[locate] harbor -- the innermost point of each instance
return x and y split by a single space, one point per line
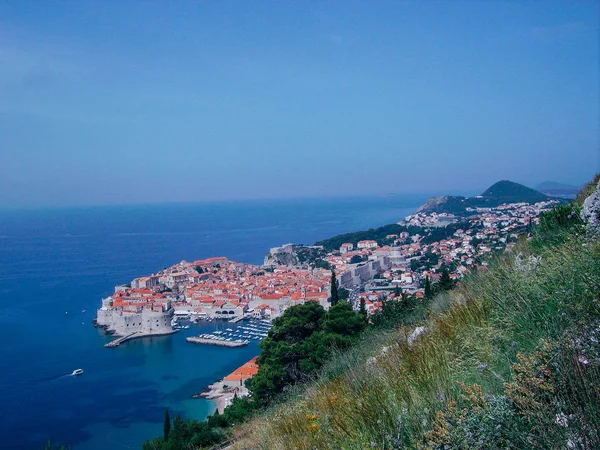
241 336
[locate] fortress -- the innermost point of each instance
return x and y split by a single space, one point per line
155 319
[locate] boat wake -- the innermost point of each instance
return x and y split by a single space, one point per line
59 377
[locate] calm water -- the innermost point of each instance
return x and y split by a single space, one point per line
53 261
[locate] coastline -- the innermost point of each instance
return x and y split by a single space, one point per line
225 390
220 395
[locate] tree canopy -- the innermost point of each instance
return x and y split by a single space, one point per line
445 280
299 344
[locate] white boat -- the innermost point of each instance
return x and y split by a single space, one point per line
77 372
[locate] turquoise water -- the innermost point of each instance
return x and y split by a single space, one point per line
66 260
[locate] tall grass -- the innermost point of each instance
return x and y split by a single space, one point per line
510 359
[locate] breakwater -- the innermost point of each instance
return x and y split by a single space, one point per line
222 343
135 335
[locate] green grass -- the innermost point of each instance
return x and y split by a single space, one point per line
509 358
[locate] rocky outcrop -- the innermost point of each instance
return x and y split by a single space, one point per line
281 256
590 212
415 335
525 265
447 204
432 203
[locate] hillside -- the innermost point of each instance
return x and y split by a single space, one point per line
375 234
379 234
509 359
501 192
505 191
497 194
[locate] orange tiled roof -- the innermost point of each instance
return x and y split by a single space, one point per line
244 372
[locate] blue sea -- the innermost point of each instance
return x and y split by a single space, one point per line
54 261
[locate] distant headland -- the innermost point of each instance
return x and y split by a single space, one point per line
499 193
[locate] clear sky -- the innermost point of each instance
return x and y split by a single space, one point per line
135 102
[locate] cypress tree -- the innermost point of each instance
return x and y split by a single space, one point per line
167 426
363 307
427 288
397 291
445 281
334 291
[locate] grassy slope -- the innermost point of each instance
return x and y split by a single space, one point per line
507 363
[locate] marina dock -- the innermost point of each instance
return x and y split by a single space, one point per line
236 319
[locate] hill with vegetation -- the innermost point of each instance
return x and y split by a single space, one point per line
380 234
509 192
499 193
510 358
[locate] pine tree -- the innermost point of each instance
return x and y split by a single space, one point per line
167 426
428 292
334 290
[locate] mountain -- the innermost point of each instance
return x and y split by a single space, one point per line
503 191
555 189
509 192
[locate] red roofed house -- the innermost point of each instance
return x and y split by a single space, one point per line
346 247
366 244
241 374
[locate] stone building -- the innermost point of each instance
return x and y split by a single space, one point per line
151 319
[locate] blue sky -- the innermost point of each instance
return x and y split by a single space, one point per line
136 102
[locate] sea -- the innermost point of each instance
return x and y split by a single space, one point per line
57 264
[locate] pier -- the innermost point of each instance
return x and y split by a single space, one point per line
134 335
222 343
120 340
